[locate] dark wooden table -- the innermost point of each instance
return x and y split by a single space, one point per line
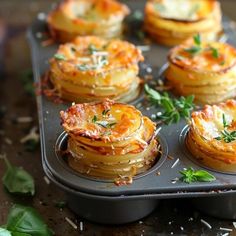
172 217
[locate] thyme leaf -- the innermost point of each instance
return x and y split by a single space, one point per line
60 57
173 109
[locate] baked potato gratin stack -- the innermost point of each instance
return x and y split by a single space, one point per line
170 22
91 69
204 69
212 136
73 18
109 140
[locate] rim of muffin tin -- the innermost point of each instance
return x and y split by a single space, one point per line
70 177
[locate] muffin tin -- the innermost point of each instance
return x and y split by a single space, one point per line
90 197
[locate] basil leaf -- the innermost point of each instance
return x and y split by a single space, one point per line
17 180
27 221
204 176
190 175
4 232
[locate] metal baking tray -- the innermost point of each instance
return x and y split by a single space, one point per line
146 186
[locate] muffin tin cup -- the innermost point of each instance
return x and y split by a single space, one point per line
160 182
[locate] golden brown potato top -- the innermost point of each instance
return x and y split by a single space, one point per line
206 57
95 55
107 119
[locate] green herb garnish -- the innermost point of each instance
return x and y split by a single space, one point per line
104 112
92 49
222 63
102 62
95 119
197 39
190 175
173 109
179 58
60 57
105 124
193 50
225 135
24 221
197 47
215 52
225 125
17 180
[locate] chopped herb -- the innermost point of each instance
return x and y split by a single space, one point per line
197 39
102 123
17 180
159 7
104 112
222 63
92 49
102 61
224 121
226 136
215 52
60 57
73 49
25 221
95 119
193 50
173 109
197 47
190 175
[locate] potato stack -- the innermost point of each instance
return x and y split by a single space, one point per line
109 140
73 18
170 22
212 136
91 69
204 69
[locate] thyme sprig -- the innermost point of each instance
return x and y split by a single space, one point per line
103 123
226 135
197 47
173 109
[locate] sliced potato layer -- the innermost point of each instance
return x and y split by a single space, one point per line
170 22
212 136
87 17
91 69
208 71
109 140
